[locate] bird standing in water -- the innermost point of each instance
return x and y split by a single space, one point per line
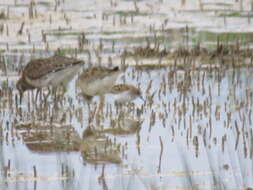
125 93
45 72
97 81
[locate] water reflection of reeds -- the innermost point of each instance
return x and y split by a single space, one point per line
196 84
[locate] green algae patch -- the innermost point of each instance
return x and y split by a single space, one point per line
64 33
207 36
130 13
235 14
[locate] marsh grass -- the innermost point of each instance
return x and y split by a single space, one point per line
171 71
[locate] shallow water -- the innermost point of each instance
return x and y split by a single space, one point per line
209 106
195 123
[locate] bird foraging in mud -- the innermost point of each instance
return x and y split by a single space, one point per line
125 93
97 81
45 72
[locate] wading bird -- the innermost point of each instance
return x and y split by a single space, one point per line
45 72
97 81
125 93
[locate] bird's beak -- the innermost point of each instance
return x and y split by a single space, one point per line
142 98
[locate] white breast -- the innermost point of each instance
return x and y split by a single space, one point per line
124 97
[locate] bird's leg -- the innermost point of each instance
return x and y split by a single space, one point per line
64 88
101 104
38 90
89 107
129 108
55 97
118 106
20 97
45 96
61 91
92 114
54 93
121 118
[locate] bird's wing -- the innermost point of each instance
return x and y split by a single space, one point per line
96 73
119 88
38 68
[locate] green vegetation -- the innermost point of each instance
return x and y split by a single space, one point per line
61 52
234 13
230 14
130 13
43 3
205 36
63 33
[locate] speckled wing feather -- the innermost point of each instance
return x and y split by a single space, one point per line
38 68
119 88
96 73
